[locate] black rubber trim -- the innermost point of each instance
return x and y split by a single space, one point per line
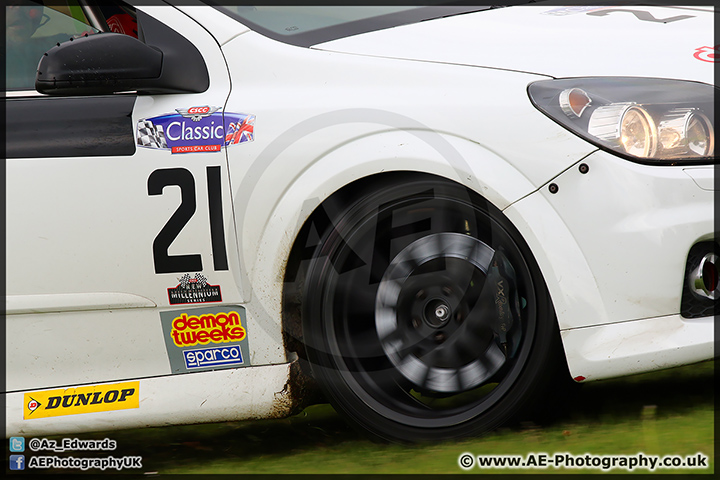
693 306
70 127
183 69
322 35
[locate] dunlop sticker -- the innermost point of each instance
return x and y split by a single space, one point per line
201 339
88 399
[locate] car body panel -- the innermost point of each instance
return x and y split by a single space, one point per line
312 140
627 348
519 38
222 395
53 239
611 252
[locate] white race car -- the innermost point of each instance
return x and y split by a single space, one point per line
433 212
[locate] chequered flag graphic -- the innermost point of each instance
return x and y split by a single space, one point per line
151 135
186 280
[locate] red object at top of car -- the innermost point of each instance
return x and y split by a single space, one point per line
123 23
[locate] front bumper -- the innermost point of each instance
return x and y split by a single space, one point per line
612 244
638 346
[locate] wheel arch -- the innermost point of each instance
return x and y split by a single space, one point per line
345 171
293 276
341 167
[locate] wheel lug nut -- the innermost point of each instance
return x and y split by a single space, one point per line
440 337
421 295
459 317
415 322
446 290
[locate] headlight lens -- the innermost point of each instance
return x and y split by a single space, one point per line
649 120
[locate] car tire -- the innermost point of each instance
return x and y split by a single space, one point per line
425 316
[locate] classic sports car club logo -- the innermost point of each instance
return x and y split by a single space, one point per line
195 129
194 290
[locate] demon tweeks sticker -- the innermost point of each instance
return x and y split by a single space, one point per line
210 338
195 129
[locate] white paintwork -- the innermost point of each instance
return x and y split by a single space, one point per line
704 177
531 39
22 93
68 302
613 243
73 348
312 138
223 395
638 346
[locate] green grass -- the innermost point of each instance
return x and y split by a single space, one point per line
661 413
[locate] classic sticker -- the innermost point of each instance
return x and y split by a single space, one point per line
194 290
87 399
200 339
195 129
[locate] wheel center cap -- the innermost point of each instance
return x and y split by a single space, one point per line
437 313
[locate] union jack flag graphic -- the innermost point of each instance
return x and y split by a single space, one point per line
240 131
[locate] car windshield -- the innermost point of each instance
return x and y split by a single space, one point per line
306 26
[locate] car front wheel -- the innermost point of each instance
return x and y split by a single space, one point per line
425 316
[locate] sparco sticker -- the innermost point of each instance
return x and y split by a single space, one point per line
209 338
195 129
194 290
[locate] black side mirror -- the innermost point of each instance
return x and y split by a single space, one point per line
102 63
107 63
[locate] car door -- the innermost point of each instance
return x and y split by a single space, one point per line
118 205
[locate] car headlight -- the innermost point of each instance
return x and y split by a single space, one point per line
650 120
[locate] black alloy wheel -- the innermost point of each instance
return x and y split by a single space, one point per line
425 316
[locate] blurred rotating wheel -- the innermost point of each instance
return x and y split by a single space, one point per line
425 316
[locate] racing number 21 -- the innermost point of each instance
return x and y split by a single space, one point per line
181 177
